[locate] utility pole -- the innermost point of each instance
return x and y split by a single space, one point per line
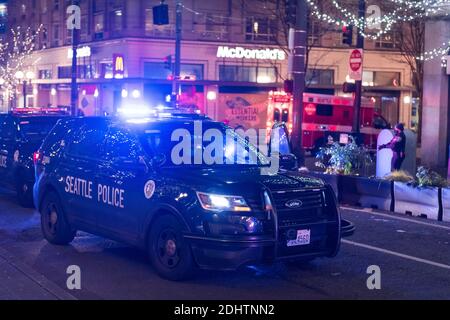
177 65
358 83
74 85
300 38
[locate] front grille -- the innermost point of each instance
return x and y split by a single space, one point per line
311 212
310 199
311 208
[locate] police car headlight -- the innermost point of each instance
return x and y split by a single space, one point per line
217 202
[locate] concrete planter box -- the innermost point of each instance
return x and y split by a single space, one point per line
446 204
419 202
331 179
366 192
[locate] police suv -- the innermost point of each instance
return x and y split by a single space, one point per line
21 134
142 182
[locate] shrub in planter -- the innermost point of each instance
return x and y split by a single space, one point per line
419 196
343 159
416 201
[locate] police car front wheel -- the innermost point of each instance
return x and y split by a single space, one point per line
169 253
54 224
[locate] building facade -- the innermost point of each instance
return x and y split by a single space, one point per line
232 51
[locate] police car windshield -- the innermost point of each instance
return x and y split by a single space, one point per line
36 128
201 143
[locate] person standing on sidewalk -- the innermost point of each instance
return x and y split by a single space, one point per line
397 145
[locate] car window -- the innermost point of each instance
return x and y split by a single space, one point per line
36 128
121 144
88 140
324 110
7 129
165 139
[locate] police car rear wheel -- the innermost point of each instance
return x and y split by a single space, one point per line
169 253
54 225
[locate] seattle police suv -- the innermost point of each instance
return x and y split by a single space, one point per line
122 179
21 134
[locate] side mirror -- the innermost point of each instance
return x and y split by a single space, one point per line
286 161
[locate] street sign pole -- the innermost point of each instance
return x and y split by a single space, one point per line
358 84
177 65
74 85
298 75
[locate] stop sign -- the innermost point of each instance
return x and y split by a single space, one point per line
355 64
355 60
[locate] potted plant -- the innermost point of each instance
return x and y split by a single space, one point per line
419 196
342 162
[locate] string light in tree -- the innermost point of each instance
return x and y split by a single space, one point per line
15 55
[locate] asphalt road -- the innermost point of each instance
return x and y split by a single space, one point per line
413 256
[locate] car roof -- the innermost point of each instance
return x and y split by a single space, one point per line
137 123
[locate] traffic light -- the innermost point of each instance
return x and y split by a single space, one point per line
349 87
161 14
168 62
289 86
347 35
291 12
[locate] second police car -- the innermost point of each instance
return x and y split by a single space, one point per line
120 179
21 133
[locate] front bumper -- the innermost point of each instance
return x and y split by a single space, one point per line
231 253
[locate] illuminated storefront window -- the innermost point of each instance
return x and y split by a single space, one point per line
247 73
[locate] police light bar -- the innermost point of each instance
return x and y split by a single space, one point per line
56 110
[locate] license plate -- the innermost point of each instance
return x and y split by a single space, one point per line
303 238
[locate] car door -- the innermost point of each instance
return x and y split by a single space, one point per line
7 149
122 175
77 174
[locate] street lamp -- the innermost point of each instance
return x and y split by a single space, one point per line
26 79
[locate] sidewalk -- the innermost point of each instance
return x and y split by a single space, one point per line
20 282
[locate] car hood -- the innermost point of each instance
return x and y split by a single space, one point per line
239 180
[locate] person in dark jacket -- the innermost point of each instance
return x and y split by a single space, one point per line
397 145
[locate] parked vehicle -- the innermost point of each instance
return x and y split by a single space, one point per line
117 178
21 134
326 119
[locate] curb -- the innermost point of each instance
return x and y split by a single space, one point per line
36 277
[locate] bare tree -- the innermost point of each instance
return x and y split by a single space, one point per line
411 46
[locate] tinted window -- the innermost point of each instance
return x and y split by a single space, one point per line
88 140
120 143
55 140
36 128
166 140
324 110
7 130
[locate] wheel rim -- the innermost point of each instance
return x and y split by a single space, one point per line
168 248
52 218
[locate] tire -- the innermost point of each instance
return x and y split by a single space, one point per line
24 190
54 225
169 253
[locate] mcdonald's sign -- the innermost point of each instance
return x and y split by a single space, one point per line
118 66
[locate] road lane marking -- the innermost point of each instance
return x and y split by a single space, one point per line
396 217
397 254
